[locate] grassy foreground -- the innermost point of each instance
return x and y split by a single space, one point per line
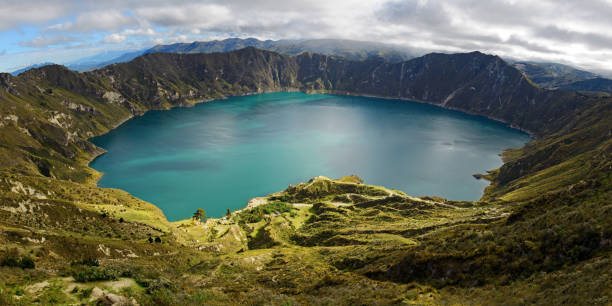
320 242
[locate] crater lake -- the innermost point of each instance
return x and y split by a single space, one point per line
218 155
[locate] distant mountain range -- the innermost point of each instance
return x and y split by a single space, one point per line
92 62
552 75
18 71
349 49
225 45
103 59
545 75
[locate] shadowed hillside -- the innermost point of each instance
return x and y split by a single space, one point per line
553 75
592 85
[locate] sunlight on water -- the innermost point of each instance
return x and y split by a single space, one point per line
218 155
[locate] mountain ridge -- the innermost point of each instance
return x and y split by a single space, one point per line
553 75
547 75
368 72
351 49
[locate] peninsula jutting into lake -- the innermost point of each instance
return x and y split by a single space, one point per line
219 155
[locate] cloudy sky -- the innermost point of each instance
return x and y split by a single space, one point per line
577 32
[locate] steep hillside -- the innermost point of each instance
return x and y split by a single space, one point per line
472 82
540 234
553 75
593 85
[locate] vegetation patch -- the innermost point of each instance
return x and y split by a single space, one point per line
85 274
12 258
258 213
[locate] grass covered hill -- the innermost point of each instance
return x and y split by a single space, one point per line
540 234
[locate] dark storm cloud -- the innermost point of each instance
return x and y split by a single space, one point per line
592 40
567 31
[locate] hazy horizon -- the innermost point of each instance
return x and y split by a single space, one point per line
60 31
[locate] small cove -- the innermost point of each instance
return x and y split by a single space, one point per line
218 155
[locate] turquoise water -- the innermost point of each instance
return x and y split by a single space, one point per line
219 155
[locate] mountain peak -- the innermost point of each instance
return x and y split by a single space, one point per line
17 72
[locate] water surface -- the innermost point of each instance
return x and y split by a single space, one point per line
220 154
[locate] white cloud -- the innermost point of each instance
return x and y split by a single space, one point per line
576 32
14 13
107 20
66 26
122 36
47 41
114 38
202 15
140 32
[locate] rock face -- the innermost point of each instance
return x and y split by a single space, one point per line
103 297
5 80
471 82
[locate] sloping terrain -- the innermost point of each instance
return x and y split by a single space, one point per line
540 234
553 75
591 85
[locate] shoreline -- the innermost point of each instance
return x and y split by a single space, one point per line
331 92
512 126
103 151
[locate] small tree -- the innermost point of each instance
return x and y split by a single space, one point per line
229 213
199 215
